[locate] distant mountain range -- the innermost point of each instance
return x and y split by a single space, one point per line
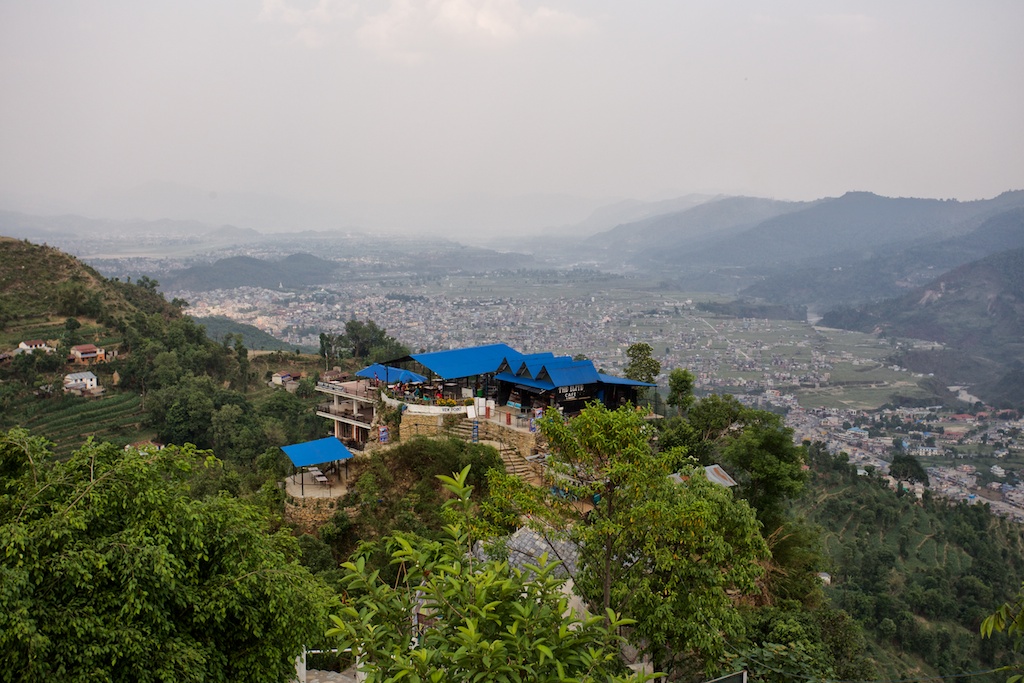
846 253
975 310
889 273
849 249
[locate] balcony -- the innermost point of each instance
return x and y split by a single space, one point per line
359 390
360 418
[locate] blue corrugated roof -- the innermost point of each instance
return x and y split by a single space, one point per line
476 360
531 363
388 374
576 372
535 366
525 381
612 379
316 452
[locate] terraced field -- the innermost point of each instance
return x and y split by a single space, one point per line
117 418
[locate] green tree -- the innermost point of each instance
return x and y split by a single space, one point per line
363 339
908 468
642 366
328 349
111 570
680 389
25 366
671 556
451 617
767 464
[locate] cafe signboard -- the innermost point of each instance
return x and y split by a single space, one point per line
573 392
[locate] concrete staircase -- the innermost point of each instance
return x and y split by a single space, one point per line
514 461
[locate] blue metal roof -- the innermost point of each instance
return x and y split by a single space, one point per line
526 363
535 366
388 374
576 372
525 381
476 360
316 452
612 379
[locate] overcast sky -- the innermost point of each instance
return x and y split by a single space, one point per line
399 101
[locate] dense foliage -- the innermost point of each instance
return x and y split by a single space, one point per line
397 490
110 569
683 557
450 617
921 575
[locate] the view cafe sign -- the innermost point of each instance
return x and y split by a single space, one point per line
573 392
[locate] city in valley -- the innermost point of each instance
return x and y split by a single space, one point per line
838 387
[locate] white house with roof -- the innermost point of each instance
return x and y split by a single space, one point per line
80 381
30 345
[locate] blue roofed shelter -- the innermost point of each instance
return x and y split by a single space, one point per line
319 452
390 375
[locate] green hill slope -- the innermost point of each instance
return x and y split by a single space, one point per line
976 310
918 575
218 327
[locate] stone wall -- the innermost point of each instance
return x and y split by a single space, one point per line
420 425
309 514
525 442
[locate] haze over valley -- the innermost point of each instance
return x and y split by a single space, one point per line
326 326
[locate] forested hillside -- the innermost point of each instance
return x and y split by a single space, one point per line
976 311
918 575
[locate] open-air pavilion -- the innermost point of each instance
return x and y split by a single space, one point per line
320 464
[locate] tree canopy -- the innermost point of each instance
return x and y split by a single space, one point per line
111 570
669 555
642 365
451 617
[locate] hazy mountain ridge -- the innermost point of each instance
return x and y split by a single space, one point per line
27 226
294 271
669 229
856 223
889 274
610 216
977 310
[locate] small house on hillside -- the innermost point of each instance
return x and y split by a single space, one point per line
335 375
34 344
80 382
281 378
87 353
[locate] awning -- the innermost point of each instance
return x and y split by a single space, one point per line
389 375
316 452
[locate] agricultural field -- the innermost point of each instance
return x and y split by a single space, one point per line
68 421
53 328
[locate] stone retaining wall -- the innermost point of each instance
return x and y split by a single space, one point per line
309 514
524 442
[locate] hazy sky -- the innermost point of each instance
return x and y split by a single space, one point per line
421 100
